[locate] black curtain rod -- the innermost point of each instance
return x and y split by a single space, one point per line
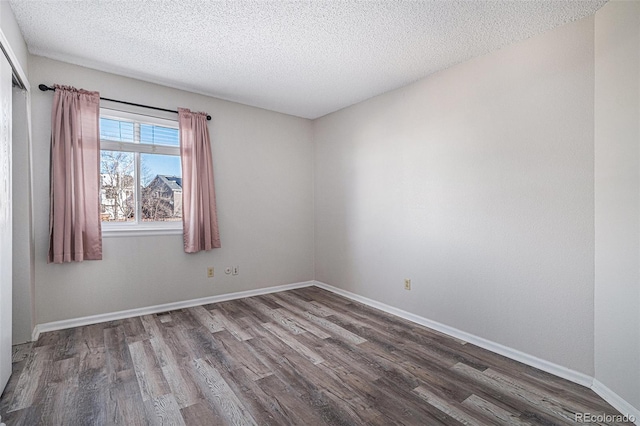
45 88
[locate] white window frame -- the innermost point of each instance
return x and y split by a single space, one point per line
139 228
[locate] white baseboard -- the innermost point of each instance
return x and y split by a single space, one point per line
112 316
616 400
566 373
549 367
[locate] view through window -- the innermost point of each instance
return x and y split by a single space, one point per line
140 173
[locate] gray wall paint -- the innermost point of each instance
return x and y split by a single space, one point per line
12 32
476 183
23 271
263 172
617 198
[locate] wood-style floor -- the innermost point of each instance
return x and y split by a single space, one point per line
301 357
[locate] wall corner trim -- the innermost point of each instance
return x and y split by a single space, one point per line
112 316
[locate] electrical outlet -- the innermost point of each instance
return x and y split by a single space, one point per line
236 270
210 272
227 270
407 284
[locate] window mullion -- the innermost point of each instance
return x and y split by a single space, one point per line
136 139
137 190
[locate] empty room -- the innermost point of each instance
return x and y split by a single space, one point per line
320 212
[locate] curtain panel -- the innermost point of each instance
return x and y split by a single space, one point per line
199 218
74 217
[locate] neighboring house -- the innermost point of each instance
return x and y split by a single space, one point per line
162 198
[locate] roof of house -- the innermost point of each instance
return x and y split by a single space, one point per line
173 182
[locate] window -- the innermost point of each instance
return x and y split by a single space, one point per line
140 174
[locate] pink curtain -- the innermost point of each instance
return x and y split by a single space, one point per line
199 218
74 217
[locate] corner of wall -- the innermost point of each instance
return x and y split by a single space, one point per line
617 205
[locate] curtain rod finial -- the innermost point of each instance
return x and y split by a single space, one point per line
44 87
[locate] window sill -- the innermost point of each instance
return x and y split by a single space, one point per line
139 231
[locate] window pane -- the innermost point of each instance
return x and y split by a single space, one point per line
116 130
117 198
161 188
159 135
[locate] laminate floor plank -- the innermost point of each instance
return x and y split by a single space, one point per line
285 363
388 337
290 407
303 322
117 350
353 390
300 357
315 294
551 385
232 308
151 326
184 391
64 390
286 299
245 356
293 343
16 373
93 388
151 379
232 327
334 329
519 386
91 336
220 395
216 351
33 380
125 404
493 412
201 413
562 414
163 411
403 411
450 408
456 388
198 342
50 409
299 374
20 352
275 315
134 329
206 318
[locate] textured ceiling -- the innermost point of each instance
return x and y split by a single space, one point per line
306 58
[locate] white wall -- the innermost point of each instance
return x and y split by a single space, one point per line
263 172
476 183
617 199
